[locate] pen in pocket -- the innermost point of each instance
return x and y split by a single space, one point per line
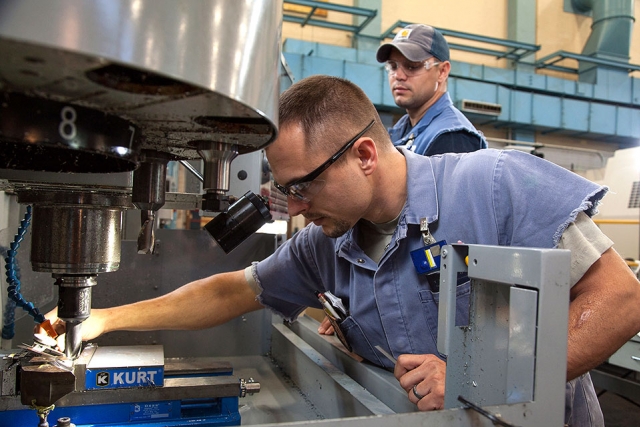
334 316
327 307
336 303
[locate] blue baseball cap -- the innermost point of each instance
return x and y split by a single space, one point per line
416 42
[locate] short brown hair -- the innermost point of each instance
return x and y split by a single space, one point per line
330 109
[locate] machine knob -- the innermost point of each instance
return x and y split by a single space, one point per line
249 386
65 422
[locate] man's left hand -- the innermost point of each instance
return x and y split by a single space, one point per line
422 376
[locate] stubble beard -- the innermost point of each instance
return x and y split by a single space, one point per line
339 228
406 103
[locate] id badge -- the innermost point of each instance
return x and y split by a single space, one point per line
426 260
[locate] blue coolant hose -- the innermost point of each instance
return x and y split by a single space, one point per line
13 280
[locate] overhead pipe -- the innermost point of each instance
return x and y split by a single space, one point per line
611 32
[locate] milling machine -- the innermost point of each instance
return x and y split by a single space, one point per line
95 99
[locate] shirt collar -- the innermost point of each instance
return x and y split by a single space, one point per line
422 198
433 112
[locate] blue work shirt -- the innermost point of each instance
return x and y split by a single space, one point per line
443 128
488 197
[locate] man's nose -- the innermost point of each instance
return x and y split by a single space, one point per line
296 206
400 74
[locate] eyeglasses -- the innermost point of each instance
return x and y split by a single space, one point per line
410 69
305 188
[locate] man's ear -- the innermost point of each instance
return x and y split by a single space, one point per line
367 155
445 69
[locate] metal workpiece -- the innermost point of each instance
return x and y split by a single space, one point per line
133 65
80 365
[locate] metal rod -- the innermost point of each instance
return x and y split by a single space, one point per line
494 418
542 62
468 36
192 169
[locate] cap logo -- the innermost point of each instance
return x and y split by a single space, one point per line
403 34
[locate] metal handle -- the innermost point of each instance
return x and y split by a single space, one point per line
249 386
636 358
493 417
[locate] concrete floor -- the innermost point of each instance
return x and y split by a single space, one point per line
619 411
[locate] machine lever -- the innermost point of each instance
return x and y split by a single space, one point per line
43 413
494 418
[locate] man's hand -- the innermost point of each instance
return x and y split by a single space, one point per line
91 328
326 328
425 372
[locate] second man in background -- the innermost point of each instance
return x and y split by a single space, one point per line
417 63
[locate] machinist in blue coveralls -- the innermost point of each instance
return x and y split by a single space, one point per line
417 63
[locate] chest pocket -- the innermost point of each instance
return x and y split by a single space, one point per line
430 301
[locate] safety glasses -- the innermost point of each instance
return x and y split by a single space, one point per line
410 69
305 188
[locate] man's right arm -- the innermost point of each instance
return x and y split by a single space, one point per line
197 305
